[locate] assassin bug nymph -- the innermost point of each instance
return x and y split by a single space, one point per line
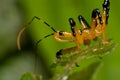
79 36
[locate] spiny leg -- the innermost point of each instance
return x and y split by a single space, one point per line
105 16
26 26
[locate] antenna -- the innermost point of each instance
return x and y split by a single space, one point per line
27 25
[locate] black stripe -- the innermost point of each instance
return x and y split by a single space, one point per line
72 24
44 38
106 7
50 26
46 23
82 19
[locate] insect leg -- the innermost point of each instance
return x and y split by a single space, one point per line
95 14
72 24
83 22
62 36
96 26
65 51
85 30
76 33
105 16
106 8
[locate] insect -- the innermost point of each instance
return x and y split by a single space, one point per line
79 36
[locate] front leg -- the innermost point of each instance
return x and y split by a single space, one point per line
59 35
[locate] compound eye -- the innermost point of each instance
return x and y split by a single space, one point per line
61 33
72 22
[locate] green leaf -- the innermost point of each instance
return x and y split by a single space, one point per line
30 76
95 51
88 73
64 66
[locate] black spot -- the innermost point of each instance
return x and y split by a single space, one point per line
61 33
58 54
72 22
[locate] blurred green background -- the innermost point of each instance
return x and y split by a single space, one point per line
16 13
